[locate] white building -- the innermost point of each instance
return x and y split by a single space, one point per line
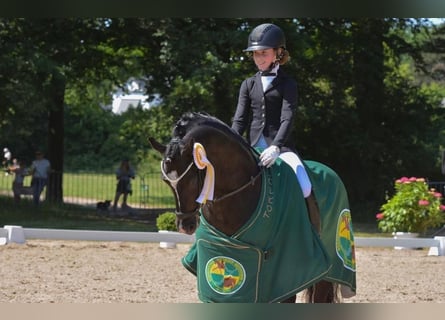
133 97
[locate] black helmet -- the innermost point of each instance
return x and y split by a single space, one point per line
266 36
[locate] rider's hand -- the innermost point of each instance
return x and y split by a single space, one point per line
269 155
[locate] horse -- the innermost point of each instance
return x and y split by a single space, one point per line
254 239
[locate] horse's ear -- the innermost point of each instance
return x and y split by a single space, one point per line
157 145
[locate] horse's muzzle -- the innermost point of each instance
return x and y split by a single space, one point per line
188 225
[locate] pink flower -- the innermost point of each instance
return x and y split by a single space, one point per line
442 207
413 179
423 202
380 215
402 180
437 195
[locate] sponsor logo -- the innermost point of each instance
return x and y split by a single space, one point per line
225 275
345 240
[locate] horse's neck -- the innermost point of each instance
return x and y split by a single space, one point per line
234 167
230 214
233 211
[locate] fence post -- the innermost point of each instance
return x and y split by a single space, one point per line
441 247
143 200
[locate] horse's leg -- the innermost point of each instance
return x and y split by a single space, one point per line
321 292
290 299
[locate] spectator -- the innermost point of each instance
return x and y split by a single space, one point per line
20 172
40 169
6 162
124 174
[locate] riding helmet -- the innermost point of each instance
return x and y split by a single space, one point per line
266 36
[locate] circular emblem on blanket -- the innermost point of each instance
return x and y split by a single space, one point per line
345 240
225 275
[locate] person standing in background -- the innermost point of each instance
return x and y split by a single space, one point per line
6 162
123 175
40 169
19 170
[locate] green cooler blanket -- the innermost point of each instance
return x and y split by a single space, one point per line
336 225
276 254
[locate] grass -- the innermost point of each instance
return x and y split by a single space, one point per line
99 187
78 217
368 229
53 216
87 188
147 190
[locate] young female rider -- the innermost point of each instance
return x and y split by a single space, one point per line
267 103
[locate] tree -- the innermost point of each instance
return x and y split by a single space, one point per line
52 55
367 105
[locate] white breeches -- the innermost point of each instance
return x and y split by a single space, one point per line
294 161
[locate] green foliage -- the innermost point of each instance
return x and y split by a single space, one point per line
413 208
369 100
166 221
75 217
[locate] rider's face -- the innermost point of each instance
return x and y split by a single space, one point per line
264 58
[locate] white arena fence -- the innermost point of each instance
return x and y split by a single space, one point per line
17 234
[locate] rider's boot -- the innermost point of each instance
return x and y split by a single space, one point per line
314 211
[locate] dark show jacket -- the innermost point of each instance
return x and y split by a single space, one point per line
270 112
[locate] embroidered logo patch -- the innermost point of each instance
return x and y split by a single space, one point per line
345 240
225 275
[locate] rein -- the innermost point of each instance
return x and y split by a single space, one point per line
174 183
249 183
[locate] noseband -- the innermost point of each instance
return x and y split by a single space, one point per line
174 184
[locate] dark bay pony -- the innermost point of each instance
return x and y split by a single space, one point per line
254 239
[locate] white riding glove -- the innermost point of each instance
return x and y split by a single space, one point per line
269 155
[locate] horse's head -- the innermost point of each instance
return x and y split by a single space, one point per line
189 173
175 167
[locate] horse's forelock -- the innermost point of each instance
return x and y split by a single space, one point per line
196 121
173 148
189 120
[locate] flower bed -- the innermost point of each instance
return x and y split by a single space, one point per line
414 207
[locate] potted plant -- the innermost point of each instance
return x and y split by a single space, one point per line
166 222
414 208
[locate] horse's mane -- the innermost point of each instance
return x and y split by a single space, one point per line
191 120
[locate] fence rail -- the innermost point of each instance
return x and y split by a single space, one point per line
148 190
19 235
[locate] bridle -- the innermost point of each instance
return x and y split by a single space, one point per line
174 183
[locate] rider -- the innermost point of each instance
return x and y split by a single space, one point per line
267 103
